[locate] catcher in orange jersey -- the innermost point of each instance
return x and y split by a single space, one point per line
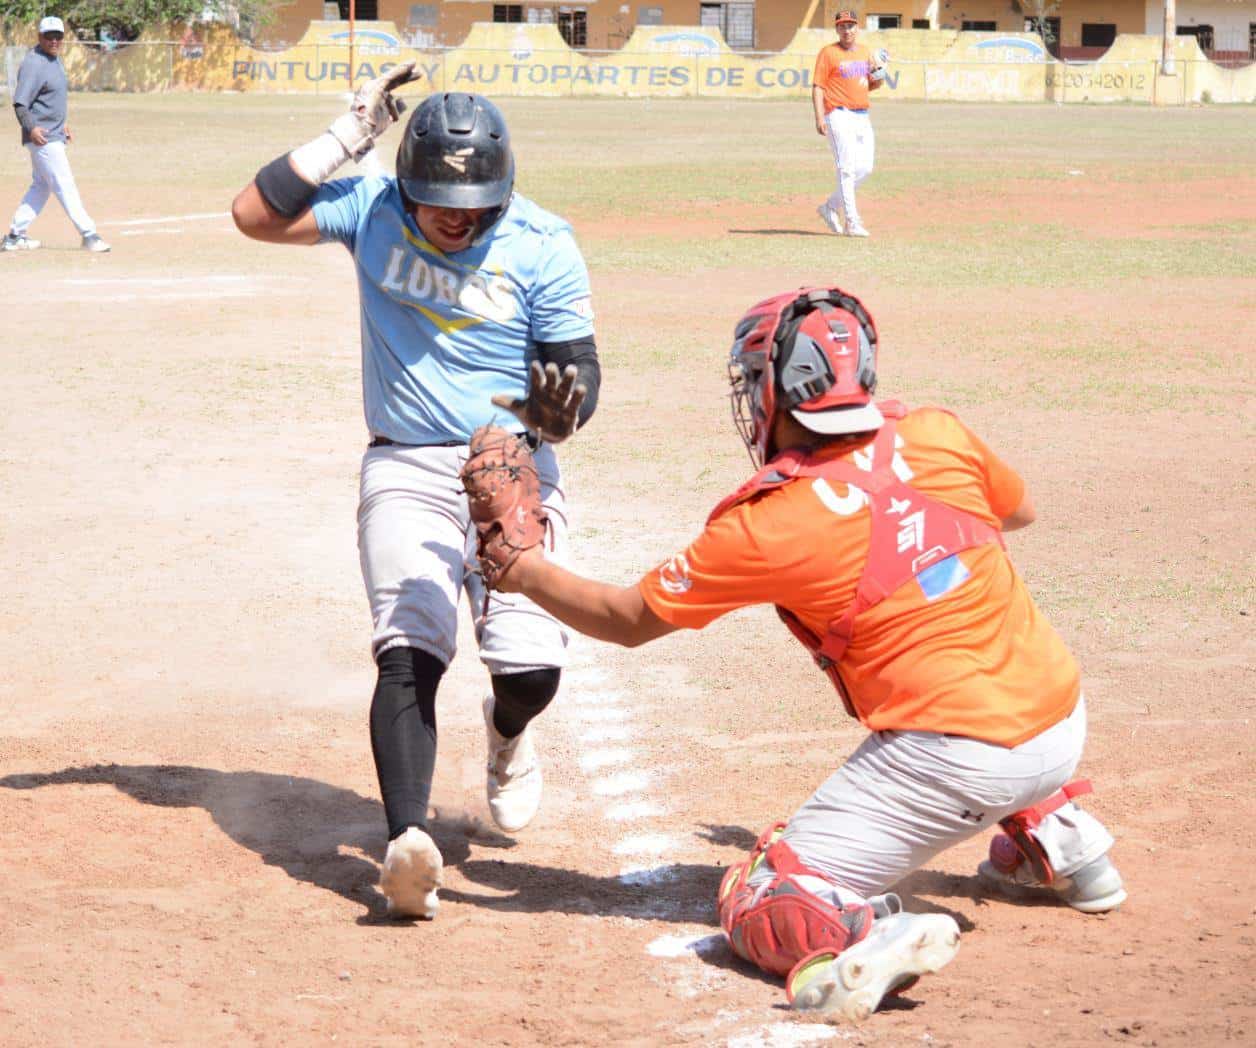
877 531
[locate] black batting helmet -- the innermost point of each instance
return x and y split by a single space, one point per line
456 153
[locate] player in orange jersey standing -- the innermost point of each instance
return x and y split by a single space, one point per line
877 532
844 74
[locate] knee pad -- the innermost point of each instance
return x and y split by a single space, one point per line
1017 844
518 697
782 921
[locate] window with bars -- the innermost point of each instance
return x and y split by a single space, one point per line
1202 33
734 20
363 10
508 12
979 27
573 24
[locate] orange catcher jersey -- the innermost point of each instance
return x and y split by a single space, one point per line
973 657
842 74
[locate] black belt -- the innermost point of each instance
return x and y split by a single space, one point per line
385 442
531 439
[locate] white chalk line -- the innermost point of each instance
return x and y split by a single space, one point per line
166 289
600 715
645 844
789 1035
684 945
186 296
636 876
609 733
600 708
597 699
200 216
219 278
622 782
595 760
632 811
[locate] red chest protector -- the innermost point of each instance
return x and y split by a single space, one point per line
910 535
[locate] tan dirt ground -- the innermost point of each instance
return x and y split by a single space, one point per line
189 829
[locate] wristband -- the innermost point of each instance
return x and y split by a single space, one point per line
283 189
317 159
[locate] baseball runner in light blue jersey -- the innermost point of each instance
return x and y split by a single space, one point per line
475 309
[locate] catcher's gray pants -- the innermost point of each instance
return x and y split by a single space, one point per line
415 540
51 175
905 796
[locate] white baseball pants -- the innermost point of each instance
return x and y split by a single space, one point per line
51 176
416 540
905 796
853 145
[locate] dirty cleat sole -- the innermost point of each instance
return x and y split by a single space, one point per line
411 874
896 952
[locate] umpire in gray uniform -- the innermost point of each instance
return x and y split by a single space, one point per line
40 104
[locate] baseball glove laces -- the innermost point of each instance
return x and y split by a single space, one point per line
504 495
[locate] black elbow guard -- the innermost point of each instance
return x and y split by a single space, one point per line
283 189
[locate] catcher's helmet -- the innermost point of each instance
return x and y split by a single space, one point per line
456 153
811 352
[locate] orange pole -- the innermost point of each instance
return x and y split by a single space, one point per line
352 18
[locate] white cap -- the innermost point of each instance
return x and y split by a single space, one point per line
51 24
847 418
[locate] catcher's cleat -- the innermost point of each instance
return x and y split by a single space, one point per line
96 244
411 874
1095 888
513 780
895 953
15 242
830 218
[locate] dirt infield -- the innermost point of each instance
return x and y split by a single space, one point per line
189 824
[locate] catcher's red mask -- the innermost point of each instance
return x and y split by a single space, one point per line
811 352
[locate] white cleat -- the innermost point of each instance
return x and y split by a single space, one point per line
14 242
411 874
1095 888
96 244
856 229
897 950
830 218
514 781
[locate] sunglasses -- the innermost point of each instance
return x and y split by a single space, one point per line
53 36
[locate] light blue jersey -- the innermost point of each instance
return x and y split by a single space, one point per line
442 333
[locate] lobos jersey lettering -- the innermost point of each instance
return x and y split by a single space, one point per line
442 333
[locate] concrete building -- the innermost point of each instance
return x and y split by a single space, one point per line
1080 29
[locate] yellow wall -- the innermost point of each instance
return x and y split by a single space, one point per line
660 62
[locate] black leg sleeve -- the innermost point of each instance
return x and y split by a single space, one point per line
403 734
518 697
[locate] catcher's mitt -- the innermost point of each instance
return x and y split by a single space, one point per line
504 492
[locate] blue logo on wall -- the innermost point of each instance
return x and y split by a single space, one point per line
1032 51
695 41
367 36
